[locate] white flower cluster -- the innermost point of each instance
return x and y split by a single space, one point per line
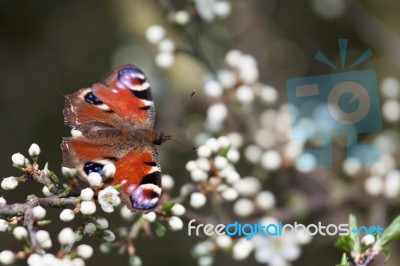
273 145
83 252
239 79
390 90
165 58
19 160
209 10
215 172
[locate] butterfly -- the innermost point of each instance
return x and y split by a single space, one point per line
116 120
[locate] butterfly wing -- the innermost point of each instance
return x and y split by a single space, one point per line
116 120
127 92
137 168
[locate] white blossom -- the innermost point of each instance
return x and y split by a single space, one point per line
101 223
247 186
217 113
66 236
265 200
39 212
235 139
230 194
34 150
20 232
90 228
9 183
182 17
155 34
269 94
87 194
197 200
271 160
390 87
232 58
108 198
175 223
34 260
276 250
166 45
3 225
43 239
222 8
203 248
88 207
46 191
109 236
67 215
109 171
68 172
2 201
242 249
392 184
84 251
374 185
7 257
391 110
223 241
126 213
178 209
205 261
198 175
191 165
165 59
167 182
245 94
18 159
150 216
233 155
135 261
205 9
220 162
78 262
213 88
227 78
94 179
203 164
231 176
368 240
243 207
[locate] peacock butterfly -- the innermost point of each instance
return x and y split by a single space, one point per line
116 121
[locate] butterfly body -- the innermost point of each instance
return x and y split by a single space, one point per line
116 120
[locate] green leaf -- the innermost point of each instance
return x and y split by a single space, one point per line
346 243
160 229
391 232
387 253
118 187
224 152
168 205
344 261
354 237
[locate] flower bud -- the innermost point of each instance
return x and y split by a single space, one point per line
18 159
9 183
39 212
84 251
67 215
34 150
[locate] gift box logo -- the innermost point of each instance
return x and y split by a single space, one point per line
342 103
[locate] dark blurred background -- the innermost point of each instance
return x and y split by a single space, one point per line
51 48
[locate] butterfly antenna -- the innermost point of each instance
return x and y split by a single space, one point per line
184 145
183 105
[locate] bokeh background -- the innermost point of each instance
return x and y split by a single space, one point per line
52 48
